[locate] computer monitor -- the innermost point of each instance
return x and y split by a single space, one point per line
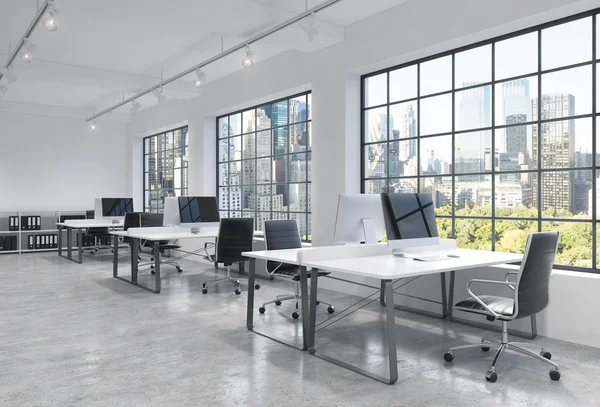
409 216
194 210
359 219
171 213
116 208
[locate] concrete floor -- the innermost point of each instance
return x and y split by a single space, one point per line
71 335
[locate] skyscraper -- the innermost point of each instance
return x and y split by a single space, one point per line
474 113
557 151
515 99
516 137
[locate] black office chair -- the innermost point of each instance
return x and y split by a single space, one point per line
149 220
101 236
531 295
235 237
132 220
284 234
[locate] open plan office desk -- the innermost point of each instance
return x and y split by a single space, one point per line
377 262
80 225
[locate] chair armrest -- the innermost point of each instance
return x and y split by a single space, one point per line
476 298
511 283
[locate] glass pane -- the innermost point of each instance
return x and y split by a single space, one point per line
263 147
150 145
235 171
516 56
298 138
436 155
473 195
235 124
375 90
309 166
514 148
474 108
309 106
565 143
440 189
249 172
169 140
375 158
376 186
263 117
403 158
403 185
248 121
436 75
376 125
575 247
403 120
280 140
297 168
178 143
280 169
298 109
436 115
473 67
235 199
444 227
514 100
566 93
223 198
474 234
301 220
249 142
562 197
223 214
403 83
298 197
178 178
263 170
235 148
248 197
567 43
160 142
223 127
514 195
473 152
279 112
261 217
223 150
309 137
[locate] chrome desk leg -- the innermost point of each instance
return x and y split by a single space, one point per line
391 336
382 294
156 266
444 297
69 243
80 245
59 237
250 309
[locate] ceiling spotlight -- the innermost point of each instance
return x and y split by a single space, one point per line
49 21
308 27
3 90
158 93
27 51
7 73
201 78
248 61
93 125
136 107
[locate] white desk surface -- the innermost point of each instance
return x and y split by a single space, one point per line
389 267
171 234
289 256
90 223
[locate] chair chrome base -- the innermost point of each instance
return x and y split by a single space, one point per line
227 278
297 297
167 262
503 344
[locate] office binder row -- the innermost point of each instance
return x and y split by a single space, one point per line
36 242
31 223
8 243
13 223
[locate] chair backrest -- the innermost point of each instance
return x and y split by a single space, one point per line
281 234
89 214
534 275
235 237
132 220
150 220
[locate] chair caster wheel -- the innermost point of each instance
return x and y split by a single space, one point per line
238 291
448 357
204 291
152 272
295 315
261 310
257 286
492 376
179 270
92 252
318 302
277 302
330 309
203 285
555 375
112 251
547 355
152 266
485 348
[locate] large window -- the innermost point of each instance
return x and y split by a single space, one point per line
502 133
165 168
264 160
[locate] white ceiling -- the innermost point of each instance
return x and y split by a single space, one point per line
108 48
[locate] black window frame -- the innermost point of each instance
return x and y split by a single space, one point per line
536 120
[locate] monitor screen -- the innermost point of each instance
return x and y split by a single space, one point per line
116 206
409 216
198 209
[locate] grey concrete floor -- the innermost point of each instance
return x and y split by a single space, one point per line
71 335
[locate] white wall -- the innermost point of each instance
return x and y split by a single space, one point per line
55 163
412 30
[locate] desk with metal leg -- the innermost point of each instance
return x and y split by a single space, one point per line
79 226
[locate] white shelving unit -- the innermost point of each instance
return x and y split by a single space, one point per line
47 227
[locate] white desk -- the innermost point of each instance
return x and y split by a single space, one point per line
79 225
156 235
